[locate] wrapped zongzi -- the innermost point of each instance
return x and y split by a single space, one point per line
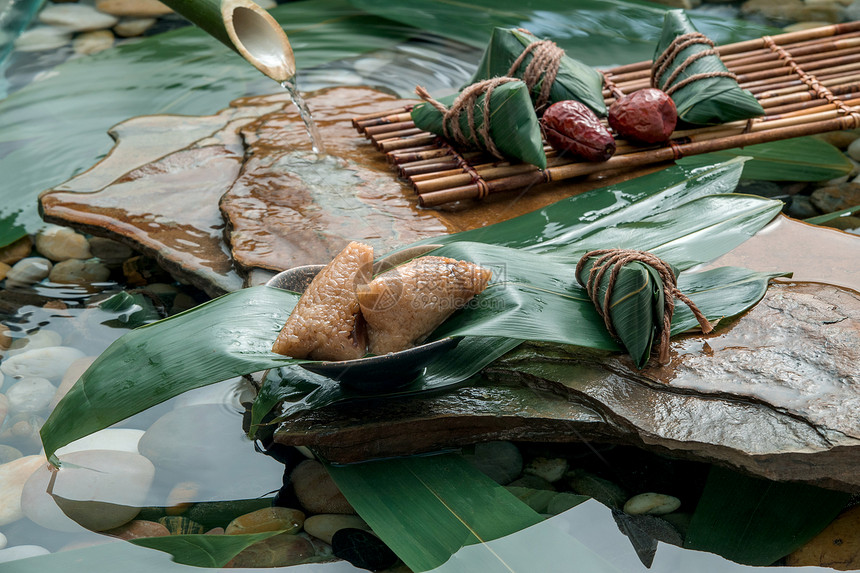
518 53
687 67
495 115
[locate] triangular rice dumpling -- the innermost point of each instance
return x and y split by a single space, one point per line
513 125
326 323
404 305
706 101
574 80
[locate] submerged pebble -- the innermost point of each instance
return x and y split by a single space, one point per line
179 525
76 271
3 541
138 8
651 504
128 28
324 525
39 339
75 17
277 551
501 461
42 38
62 243
21 552
8 453
317 491
138 528
4 268
13 253
50 362
13 476
267 519
94 42
28 271
550 469
363 549
114 439
31 394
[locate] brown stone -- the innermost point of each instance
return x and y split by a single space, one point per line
316 489
13 253
278 551
837 546
267 519
836 197
137 8
138 528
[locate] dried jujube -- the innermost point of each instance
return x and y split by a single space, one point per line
645 116
571 128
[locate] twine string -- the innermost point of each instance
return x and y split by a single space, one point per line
671 53
546 59
612 260
467 99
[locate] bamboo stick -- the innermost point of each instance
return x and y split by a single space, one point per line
361 121
405 142
370 131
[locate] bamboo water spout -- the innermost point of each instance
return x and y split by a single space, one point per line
246 28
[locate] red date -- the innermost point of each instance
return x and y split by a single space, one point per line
645 116
573 129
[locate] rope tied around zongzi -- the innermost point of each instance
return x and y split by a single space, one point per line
670 54
614 259
467 99
546 59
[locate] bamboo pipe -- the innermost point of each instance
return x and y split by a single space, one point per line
246 28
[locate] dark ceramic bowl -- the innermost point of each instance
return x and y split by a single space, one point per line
374 373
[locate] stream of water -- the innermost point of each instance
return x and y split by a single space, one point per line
305 113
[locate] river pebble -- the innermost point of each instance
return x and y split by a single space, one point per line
30 394
13 476
324 525
8 454
62 243
801 208
563 501
4 407
137 529
4 269
836 197
316 490
550 469
42 38
278 551
5 337
94 42
51 362
537 499
3 541
129 28
651 504
267 519
21 430
138 8
21 552
532 482
363 549
501 461
75 17
13 253
76 271
28 271
39 339
99 489
181 497
70 376
606 492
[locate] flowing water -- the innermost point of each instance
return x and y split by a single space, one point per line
305 113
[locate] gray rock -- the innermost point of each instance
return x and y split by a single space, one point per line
50 362
110 252
30 394
550 469
317 491
61 243
75 17
27 272
836 197
501 461
42 38
801 208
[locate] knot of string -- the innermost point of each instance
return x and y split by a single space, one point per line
451 128
612 260
670 54
544 64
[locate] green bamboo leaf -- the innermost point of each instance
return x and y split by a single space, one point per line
765 520
203 550
427 508
795 159
706 101
821 219
514 127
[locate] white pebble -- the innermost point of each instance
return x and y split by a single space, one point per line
651 504
50 362
130 27
853 150
30 395
28 271
21 552
76 17
3 541
42 38
94 42
39 339
61 243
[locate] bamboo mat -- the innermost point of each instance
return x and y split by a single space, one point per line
806 82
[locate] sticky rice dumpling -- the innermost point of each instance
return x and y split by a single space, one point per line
404 305
688 69
326 323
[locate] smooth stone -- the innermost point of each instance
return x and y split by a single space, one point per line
114 439
30 394
21 430
94 42
802 208
42 38
3 541
845 223
500 460
13 476
70 376
564 500
108 251
76 271
841 139
837 546
61 243
550 469
51 362
28 271
11 254
8 454
4 269
100 489
537 499
139 8
40 508
363 549
39 339
21 552
131 27
267 519
4 405
316 489
836 197
324 525
853 150
181 497
606 492
5 338
277 551
137 529
651 504
75 17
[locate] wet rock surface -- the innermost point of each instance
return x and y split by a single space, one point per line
774 393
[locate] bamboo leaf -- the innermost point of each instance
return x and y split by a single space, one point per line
821 219
765 520
203 550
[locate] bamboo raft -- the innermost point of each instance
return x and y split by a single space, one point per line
806 82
